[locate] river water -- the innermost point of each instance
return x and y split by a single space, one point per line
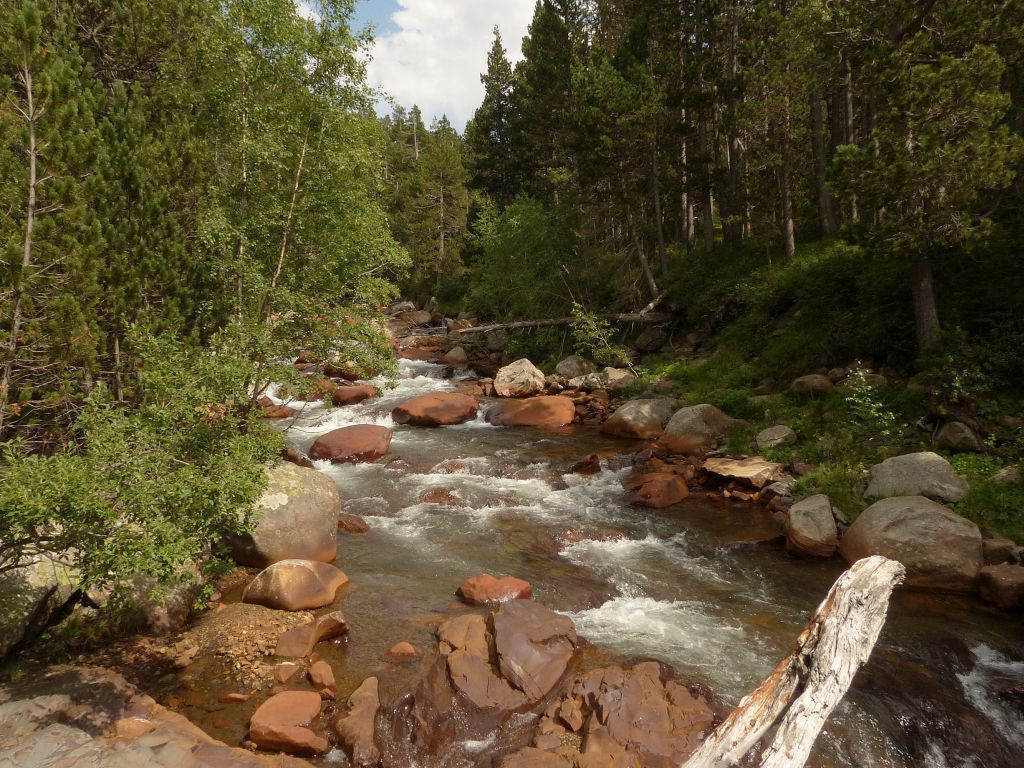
694 585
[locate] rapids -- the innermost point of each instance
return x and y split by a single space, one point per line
694 585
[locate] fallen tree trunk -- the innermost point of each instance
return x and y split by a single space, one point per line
633 317
806 686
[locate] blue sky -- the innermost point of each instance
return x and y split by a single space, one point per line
432 52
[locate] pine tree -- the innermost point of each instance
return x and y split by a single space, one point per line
487 134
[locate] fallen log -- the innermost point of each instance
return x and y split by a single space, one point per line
629 317
807 685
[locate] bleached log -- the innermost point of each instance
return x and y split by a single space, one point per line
630 317
807 685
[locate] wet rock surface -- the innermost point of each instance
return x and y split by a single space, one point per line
543 411
485 589
436 409
295 585
281 724
352 445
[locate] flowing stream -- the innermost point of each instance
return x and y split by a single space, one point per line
694 585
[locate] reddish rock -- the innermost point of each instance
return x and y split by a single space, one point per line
534 646
1003 586
298 642
997 551
285 672
487 589
456 356
322 677
439 496
352 445
544 411
295 585
234 698
356 728
279 412
351 394
531 757
436 409
402 652
281 724
415 353
296 457
352 524
656 489
590 465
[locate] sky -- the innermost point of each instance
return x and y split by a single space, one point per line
432 52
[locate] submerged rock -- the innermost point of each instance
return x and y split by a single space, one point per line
295 585
940 549
916 474
436 409
545 411
295 518
352 445
298 642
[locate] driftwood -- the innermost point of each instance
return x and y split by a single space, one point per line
632 317
806 686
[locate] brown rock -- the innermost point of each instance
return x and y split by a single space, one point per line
282 724
812 384
322 677
295 456
356 728
351 394
436 409
544 411
455 356
285 672
352 524
590 465
534 646
997 551
811 527
234 698
464 633
359 443
1003 586
295 585
402 652
439 496
415 353
657 489
298 642
754 471
475 678
487 589
531 757
278 412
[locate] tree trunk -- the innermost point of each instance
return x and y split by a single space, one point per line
440 252
686 201
659 224
926 314
786 189
851 137
806 686
286 235
826 215
708 211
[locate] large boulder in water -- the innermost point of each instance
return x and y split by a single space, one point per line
640 419
533 645
295 518
281 724
939 549
436 409
487 589
544 411
916 474
356 728
295 585
811 527
352 445
519 379
656 490
351 394
574 366
699 427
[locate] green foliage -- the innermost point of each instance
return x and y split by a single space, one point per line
594 338
841 481
867 419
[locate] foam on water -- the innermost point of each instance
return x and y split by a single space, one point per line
991 671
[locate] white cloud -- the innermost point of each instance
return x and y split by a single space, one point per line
438 49
305 9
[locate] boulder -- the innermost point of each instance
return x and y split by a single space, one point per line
487 589
436 409
295 585
293 455
940 549
616 379
754 470
916 474
352 523
403 651
440 496
698 427
997 551
416 353
416 317
519 379
651 340
296 518
544 411
401 306
281 724
352 445
574 366
640 419
588 465
656 489
815 384
298 642
321 677
456 356
1003 586
355 729
278 412
1006 476
31 596
957 437
351 394
775 437
811 527
534 646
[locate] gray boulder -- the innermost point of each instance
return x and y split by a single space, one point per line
957 437
814 384
811 527
296 518
574 366
775 437
519 379
699 427
940 549
651 340
641 419
916 474
30 598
